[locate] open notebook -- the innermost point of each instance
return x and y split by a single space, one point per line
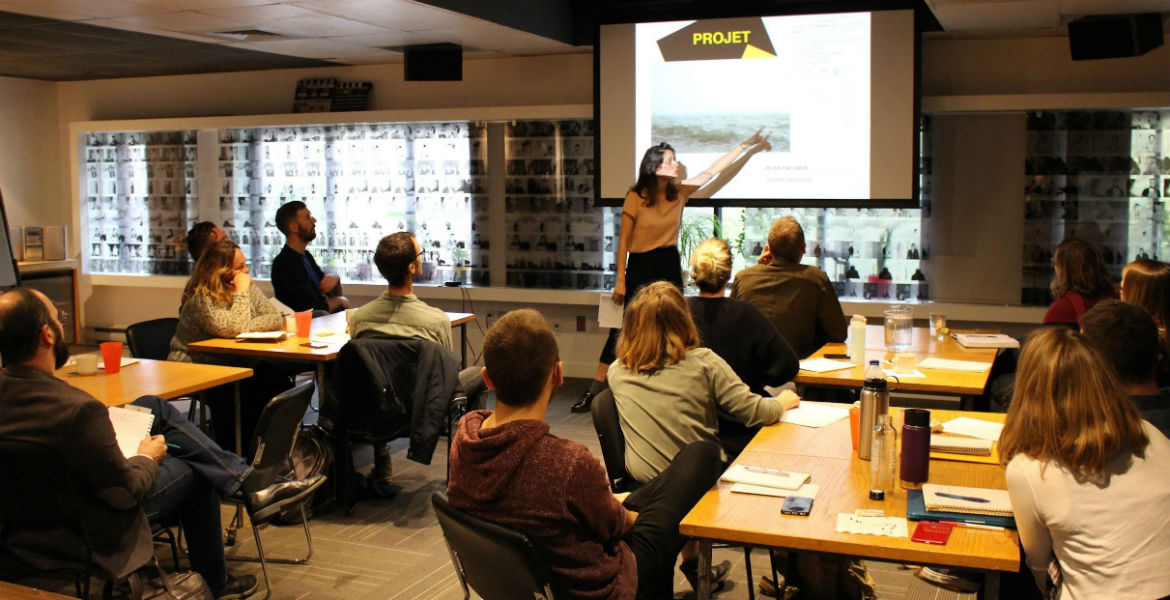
967 500
131 425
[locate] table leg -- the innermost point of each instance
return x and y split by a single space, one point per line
463 345
704 591
991 586
239 426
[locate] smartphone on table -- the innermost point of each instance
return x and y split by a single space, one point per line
796 505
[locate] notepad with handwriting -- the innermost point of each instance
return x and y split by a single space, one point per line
967 500
765 476
131 425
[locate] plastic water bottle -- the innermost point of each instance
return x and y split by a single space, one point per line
884 452
857 339
875 401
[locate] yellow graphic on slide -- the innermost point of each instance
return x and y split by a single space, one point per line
718 39
752 52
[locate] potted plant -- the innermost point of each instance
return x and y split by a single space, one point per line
461 259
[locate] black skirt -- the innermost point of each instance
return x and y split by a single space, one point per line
642 269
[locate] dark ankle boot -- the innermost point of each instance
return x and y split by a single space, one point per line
583 404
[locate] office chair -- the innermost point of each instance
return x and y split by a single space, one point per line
276 432
45 520
608 424
497 562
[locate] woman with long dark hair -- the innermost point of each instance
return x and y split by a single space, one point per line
1080 280
651 216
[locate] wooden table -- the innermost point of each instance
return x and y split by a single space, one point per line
826 453
12 591
294 349
957 383
163 378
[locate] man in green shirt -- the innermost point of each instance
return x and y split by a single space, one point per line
399 313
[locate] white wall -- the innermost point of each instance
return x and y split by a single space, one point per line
30 169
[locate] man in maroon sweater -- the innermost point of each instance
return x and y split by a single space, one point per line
507 468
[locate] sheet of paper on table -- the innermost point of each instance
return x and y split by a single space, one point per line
815 414
947 364
894 373
822 365
261 336
984 430
888 526
808 490
329 337
609 315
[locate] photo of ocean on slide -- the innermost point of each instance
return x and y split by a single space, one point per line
716 132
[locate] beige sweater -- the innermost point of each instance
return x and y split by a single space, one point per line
665 410
201 318
1112 538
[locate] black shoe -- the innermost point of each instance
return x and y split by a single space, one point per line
583 404
270 500
690 570
237 586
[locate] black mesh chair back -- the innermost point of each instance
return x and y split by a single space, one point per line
497 562
613 443
41 494
277 431
151 339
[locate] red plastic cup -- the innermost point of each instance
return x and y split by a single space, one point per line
854 423
304 323
112 356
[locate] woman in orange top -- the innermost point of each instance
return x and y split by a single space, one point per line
651 215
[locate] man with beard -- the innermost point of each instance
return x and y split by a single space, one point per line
297 281
37 407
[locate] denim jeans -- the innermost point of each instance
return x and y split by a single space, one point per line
191 482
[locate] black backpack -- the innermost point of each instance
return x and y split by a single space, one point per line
312 454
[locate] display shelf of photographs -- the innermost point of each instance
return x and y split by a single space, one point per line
557 238
140 198
1097 176
361 182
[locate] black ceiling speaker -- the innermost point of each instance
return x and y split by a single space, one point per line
433 62
1114 36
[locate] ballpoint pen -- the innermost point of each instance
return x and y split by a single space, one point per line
973 525
960 497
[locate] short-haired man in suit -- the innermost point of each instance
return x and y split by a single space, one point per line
37 407
297 281
508 469
798 299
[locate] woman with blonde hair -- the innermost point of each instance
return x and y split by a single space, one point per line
1080 280
221 301
668 389
739 333
1089 480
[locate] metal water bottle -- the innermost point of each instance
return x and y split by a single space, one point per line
875 402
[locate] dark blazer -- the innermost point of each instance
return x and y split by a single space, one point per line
294 284
395 385
37 407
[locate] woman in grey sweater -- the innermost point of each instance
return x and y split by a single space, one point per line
668 389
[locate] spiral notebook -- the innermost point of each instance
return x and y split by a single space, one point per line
131 424
966 500
960 445
765 476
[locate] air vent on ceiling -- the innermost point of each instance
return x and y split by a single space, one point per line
249 35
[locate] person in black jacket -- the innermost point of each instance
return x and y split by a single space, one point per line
297 281
739 333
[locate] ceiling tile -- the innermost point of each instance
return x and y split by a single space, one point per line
401 15
389 38
185 21
310 48
76 10
180 5
293 21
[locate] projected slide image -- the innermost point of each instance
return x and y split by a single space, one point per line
704 86
717 133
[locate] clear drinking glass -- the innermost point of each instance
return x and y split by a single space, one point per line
938 326
899 323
